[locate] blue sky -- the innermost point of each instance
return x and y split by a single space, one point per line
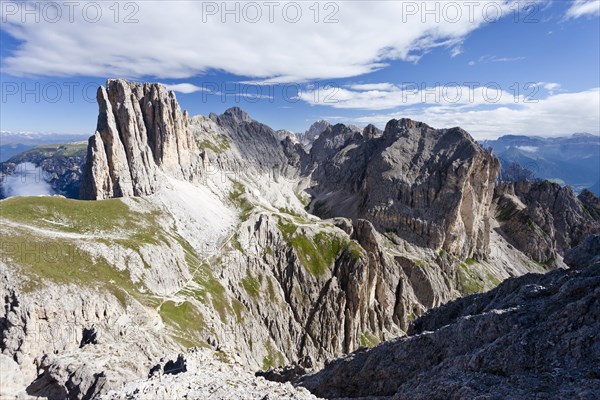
535 71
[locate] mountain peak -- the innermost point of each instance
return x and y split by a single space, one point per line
238 114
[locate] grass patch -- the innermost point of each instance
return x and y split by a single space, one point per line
238 197
271 290
547 265
469 281
493 280
274 359
45 260
184 316
235 242
75 216
210 289
470 261
220 144
367 339
222 356
319 252
185 319
61 261
304 199
251 285
356 251
54 151
238 309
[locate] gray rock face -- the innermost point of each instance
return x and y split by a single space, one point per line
257 147
532 336
431 186
141 131
313 132
585 254
543 219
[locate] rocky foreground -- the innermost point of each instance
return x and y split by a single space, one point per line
534 336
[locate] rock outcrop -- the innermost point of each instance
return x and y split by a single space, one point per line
533 336
141 132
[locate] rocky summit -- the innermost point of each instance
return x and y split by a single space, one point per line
206 249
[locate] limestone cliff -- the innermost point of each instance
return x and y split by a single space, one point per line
141 132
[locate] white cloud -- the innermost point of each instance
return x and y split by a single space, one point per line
180 40
384 96
27 180
372 86
184 88
551 87
555 115
529 149
579 8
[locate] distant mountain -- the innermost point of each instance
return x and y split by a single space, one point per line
306 138
573 160
13 143
10 150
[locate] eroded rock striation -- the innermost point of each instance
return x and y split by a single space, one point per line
141 132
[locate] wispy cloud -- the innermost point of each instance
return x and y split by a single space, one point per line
27 180
551 87
494 59
372 86
528 149
581 8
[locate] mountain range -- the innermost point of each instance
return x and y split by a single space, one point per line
204 249
573 160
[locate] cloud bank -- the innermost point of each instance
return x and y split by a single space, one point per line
555 115
291 42
27 180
